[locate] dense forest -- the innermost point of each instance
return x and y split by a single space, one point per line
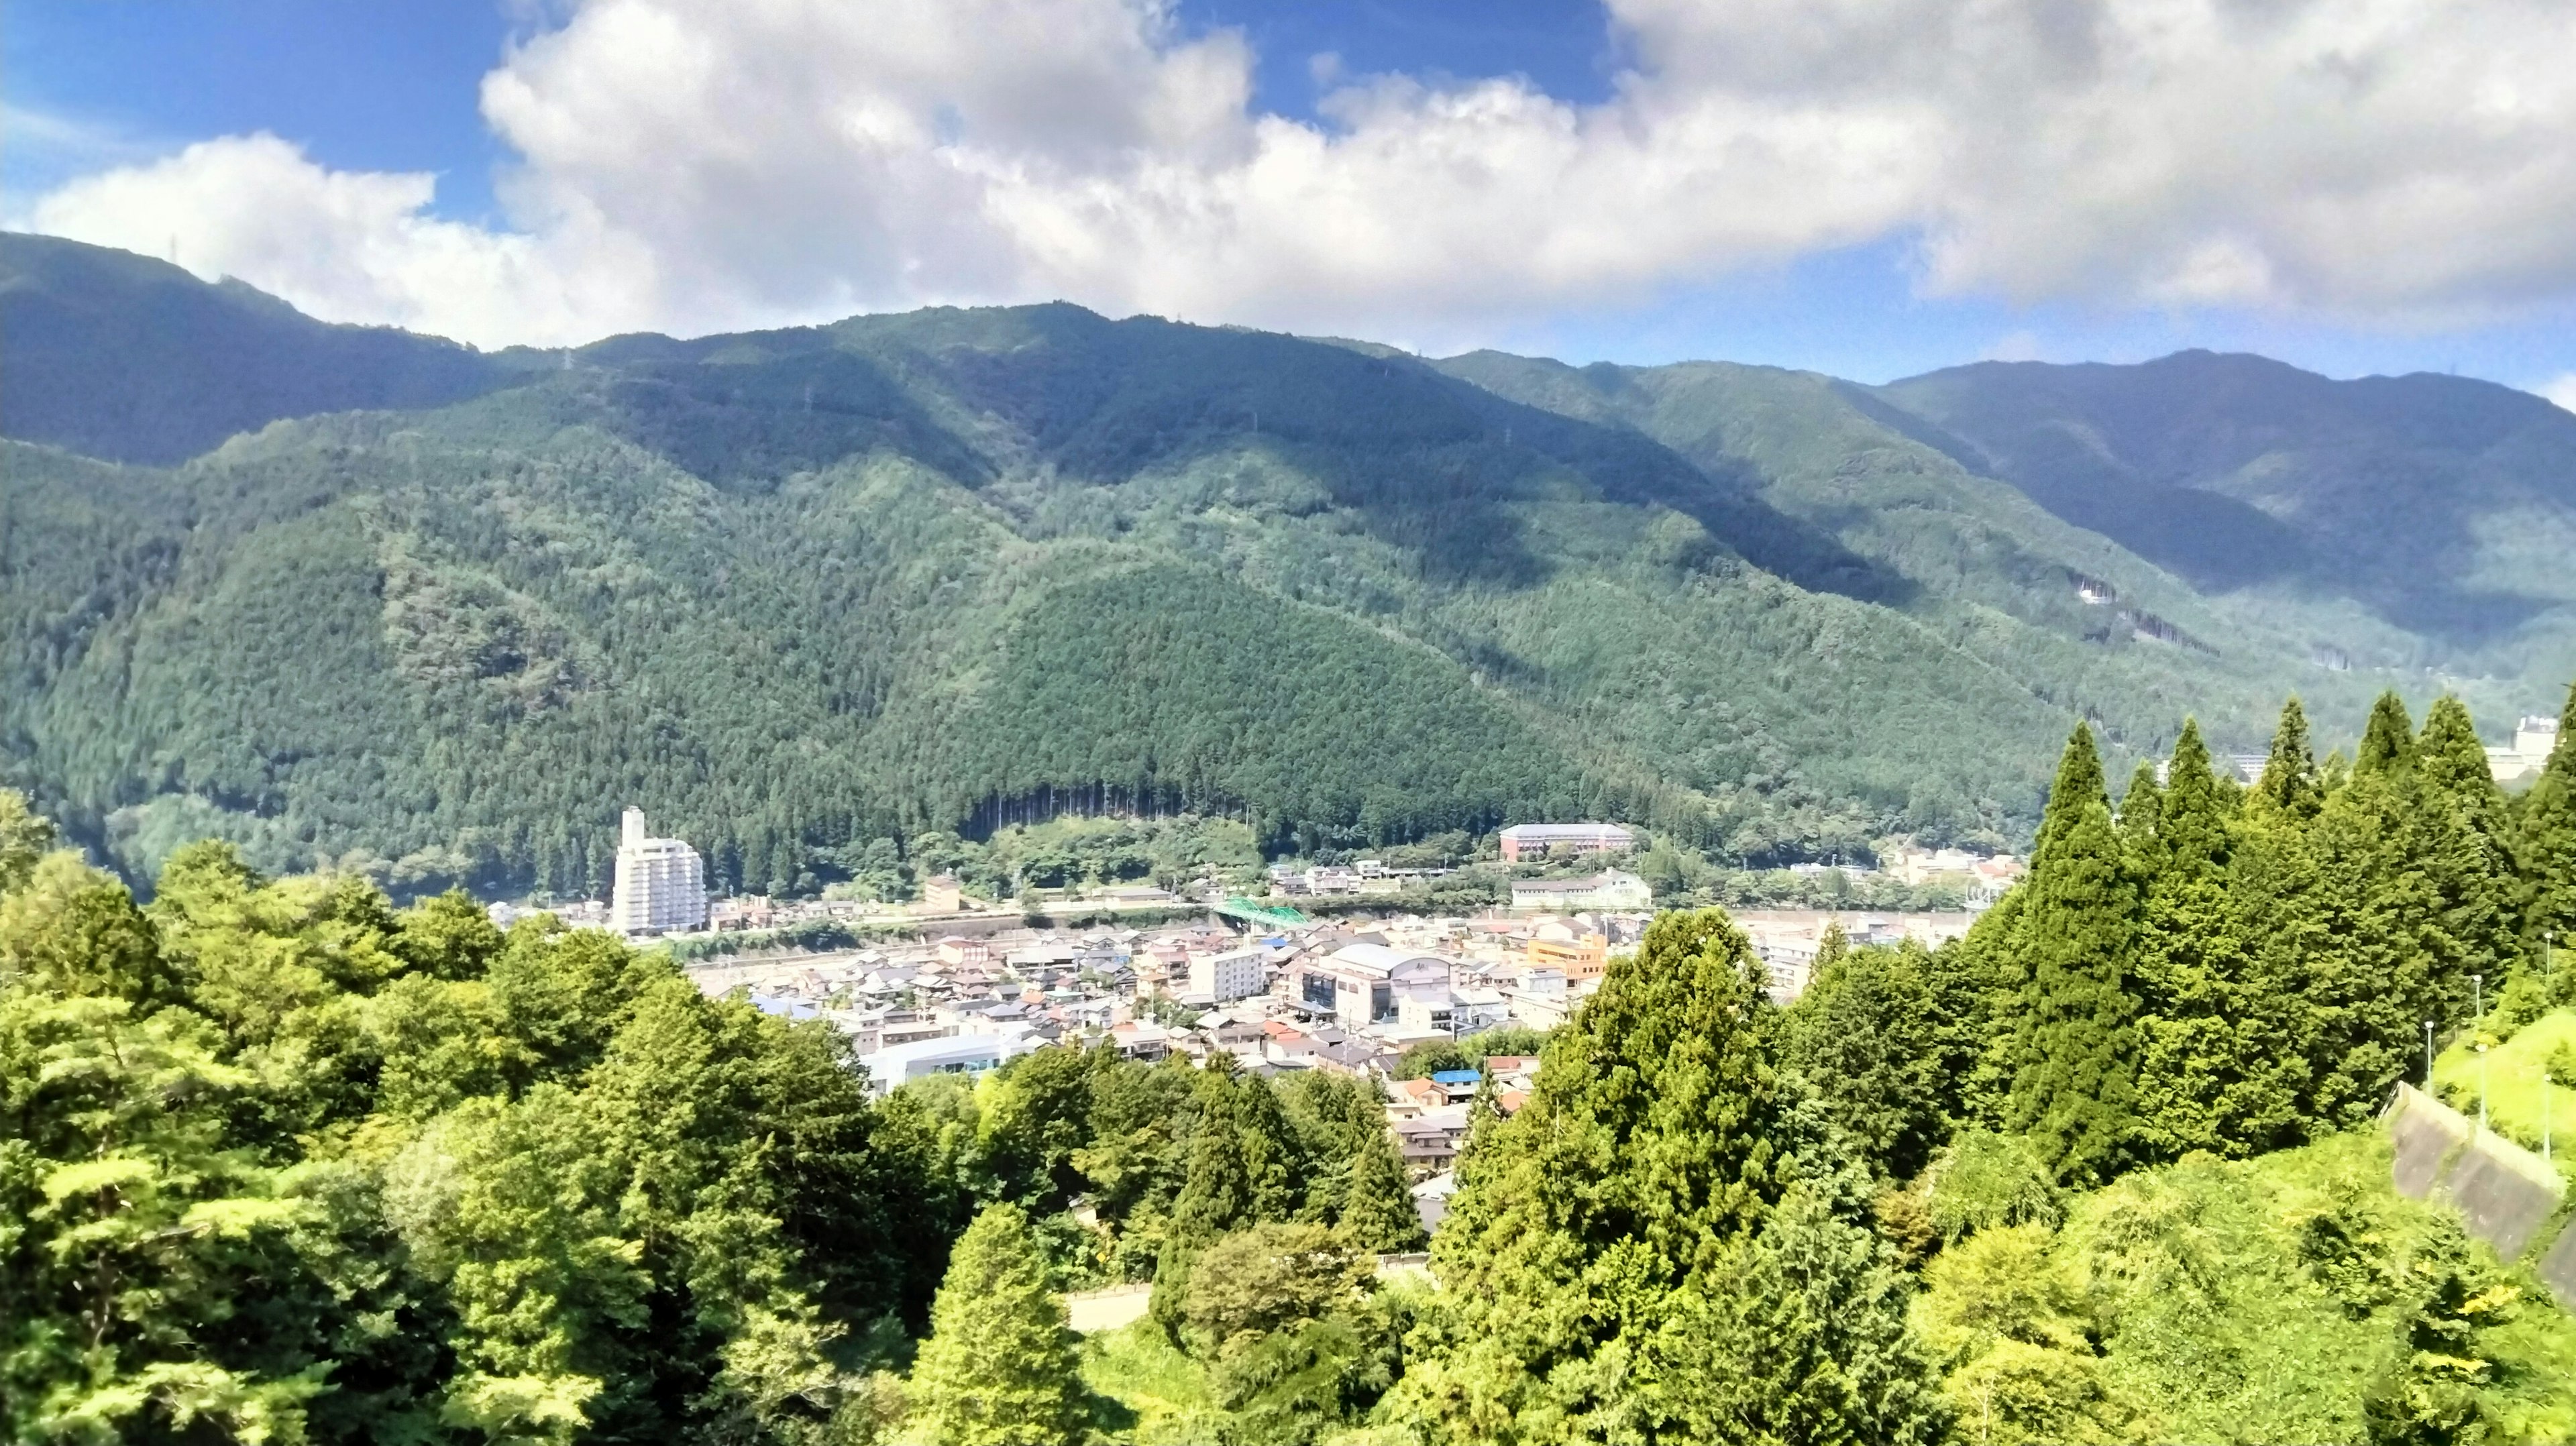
353 598
283 1162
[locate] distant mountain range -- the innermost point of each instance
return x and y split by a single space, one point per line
327 589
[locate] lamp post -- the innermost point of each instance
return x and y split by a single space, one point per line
2428 1056
2544 1114
2478 1000
2482 1086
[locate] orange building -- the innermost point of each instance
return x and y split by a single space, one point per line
1584 958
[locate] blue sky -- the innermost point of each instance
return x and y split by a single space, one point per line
393 87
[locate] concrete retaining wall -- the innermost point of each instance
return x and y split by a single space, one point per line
2506 1195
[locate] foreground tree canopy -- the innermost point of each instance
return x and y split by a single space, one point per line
284 1163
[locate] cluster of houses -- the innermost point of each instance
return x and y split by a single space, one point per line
1345 997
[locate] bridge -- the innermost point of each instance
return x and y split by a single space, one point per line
1260 915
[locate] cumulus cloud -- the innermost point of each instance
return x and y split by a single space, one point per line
693 167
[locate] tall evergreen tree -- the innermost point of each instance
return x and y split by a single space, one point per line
1801 1338
1655 1136
1377 1207
1862 1037
2548 856
2388 740
2289 782
2215 1071
2464 840
999 1368
1275 1165
2074 1086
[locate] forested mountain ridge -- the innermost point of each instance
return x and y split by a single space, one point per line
798 590
2442 507
131 359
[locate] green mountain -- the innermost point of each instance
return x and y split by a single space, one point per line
2440 508
134 360
797 590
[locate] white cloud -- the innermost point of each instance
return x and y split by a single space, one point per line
692 167
2562 391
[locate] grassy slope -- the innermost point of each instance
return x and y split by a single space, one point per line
1152 1381
2513 1085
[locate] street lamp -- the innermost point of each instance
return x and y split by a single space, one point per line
2482 1086
2478 999
2544 1114
2428 1056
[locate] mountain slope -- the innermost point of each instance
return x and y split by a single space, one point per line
2444 508
134 360
2072 614
796 590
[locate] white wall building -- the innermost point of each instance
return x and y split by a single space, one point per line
661 883
2534 739
1224 978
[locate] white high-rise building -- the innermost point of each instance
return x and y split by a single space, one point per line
661 883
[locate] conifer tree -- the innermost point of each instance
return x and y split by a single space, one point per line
1377 1207
1802 1338
2367 949
1218 1194
2388 740
2074 1087
2215 1071
999 1368
2548 857
1274 1166
1862 1037
1654 1137
2289 781
2138 810
2464 841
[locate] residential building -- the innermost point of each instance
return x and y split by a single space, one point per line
1574 959
1538 840
942 894
2533 741
1615 889
1431 1199
1473 1009
1431 1140
1224 978
961 953
661 883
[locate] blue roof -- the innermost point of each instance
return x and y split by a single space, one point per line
1456 1076
783 1008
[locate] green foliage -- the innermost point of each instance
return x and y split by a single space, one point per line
285 1163
1988 1181
2074 1086
996 569
1269 1278
1604 1228
2278 1298
999 1368
2549 844
1862 1035
1802 1337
